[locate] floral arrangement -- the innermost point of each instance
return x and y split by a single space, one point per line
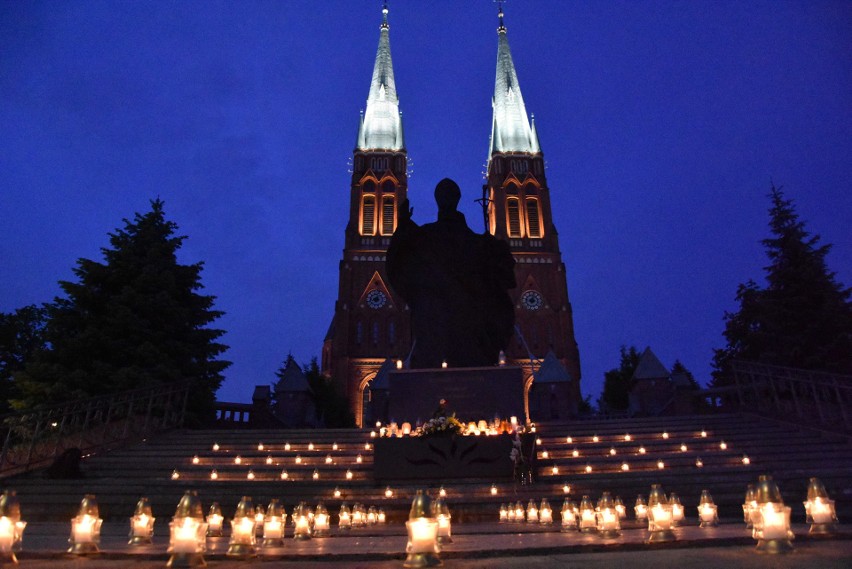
442 425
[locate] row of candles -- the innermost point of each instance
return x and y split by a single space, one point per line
764 513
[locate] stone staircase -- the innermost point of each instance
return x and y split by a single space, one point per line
342 461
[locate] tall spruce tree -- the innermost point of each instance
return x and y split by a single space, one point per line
803 317
135 320
619 381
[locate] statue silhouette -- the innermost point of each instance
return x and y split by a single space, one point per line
455 281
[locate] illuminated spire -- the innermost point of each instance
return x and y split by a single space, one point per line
510 129
381 128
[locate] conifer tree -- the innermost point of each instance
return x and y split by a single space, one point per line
619 381
803 317
134 320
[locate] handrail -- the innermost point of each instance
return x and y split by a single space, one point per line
815 397
35 438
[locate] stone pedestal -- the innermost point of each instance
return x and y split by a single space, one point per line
473 394
443 458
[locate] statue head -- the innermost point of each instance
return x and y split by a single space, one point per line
447 194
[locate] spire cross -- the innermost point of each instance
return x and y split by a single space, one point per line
500 27
385 25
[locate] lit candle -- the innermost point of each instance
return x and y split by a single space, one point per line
707 513
423 535
775 521
504 513
661 517
545 513
185 535
820 510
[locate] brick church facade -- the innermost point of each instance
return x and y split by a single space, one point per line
371 323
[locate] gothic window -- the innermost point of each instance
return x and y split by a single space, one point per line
387 215
368 215
379 164
391 333
359 332
375 333
514 214
388 187
533 219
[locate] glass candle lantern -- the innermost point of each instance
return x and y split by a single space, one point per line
11 527
660 517
302 522
819 509
504 513
273 524
707 510
187 533
141 524
608 524
86 528
520 513
545 513
588 521
215 519
259 516
677 509
532 512
441 513
382 517
322 521
359 516
243 530
569 515
750 506
344 517
772 523
422 548
620 508
372 516
640 509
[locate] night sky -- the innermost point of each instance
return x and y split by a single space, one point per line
662 124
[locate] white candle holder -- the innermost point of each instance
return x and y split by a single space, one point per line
422 548
569 515
141 524
819 510
187 533
86 528
660 517
243 531
273 524
772 524
708 513
11 527
588 520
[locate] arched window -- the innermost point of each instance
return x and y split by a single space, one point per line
375 334
533 219
387 215
368 215
359 332
388 187
513 214
391 333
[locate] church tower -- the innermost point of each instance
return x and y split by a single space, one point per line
370 323
517 201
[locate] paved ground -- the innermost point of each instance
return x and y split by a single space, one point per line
476 546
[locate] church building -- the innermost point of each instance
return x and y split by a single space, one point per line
371 323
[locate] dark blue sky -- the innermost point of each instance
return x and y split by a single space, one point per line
662 124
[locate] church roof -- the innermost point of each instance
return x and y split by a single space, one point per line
650 367
382 381
381 123
552 370
292 378
510 127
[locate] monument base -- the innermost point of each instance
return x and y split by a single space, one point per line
439 458
473 393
